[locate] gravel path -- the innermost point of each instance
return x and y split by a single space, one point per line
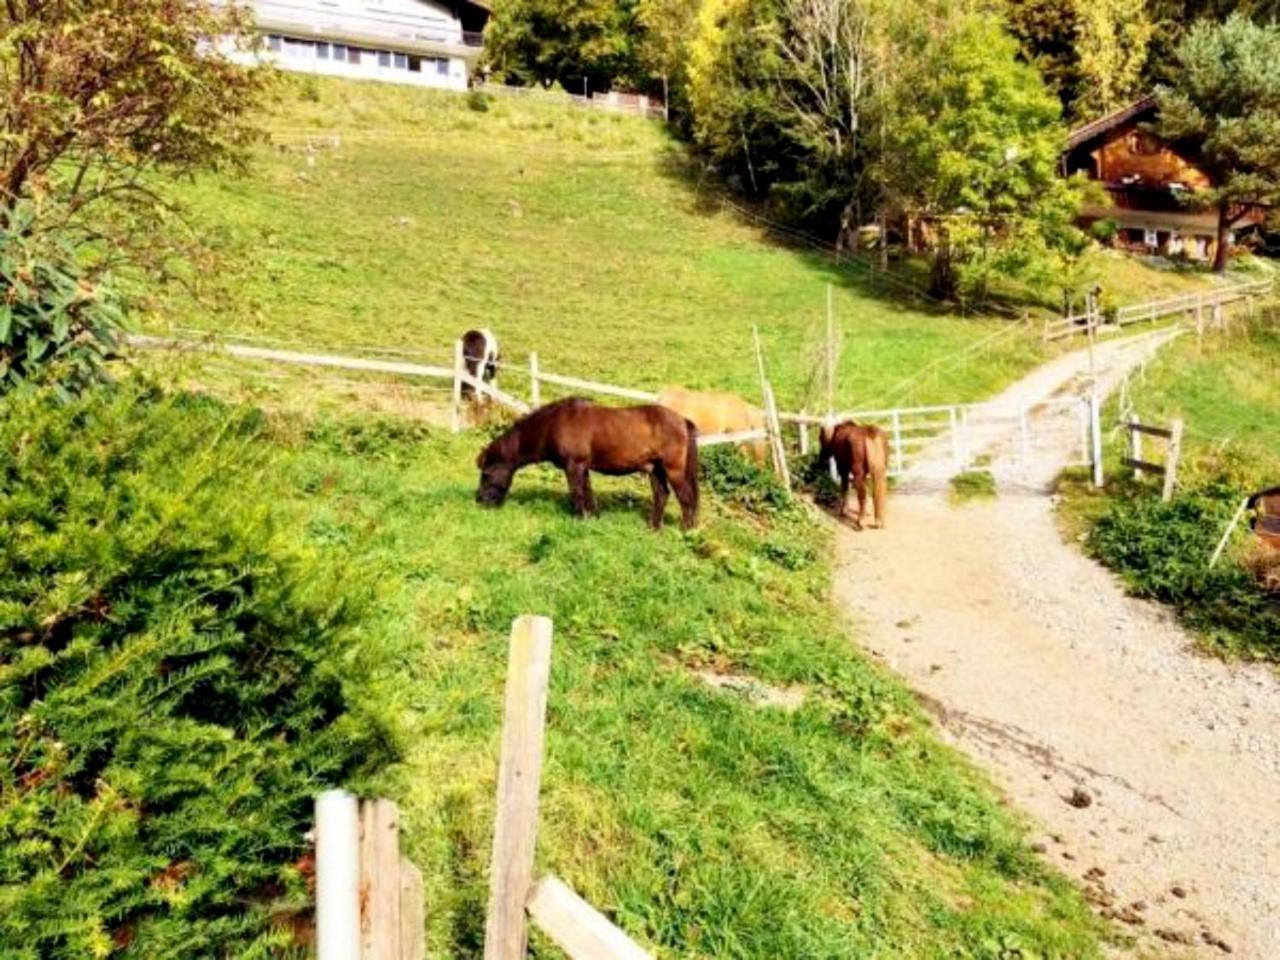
1153 773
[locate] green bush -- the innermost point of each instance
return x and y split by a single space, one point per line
172 688
1105 230
52 315
739 480
1162 551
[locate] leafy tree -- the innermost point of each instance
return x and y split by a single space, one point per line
1112 39
738 119
569 42
1223 107
98 97
972 140
666 31
1092 53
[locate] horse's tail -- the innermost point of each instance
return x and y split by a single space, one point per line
880 475
691 462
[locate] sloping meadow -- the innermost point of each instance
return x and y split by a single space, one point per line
207 615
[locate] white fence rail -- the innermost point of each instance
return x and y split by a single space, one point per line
1189 303
954 437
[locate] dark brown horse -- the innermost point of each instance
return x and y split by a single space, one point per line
858 451
579 436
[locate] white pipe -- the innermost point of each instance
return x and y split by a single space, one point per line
337 876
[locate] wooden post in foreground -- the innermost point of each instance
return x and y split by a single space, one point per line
576 927
519 775
413 944
1171 461
337 876
775 437
458 370
380 880
1226 534
804 436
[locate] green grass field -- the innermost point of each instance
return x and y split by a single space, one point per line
705 824
398 218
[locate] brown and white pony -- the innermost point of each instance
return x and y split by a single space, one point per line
858 451
579 436
480 356
717 413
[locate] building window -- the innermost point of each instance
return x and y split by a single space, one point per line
415 64
1151 239
1144 144
401 61
384 58
442 67
322 51
353 56
275 43
340 52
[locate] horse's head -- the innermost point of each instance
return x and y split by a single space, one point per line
497 470
826 434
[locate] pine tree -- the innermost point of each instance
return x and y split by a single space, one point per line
1223 108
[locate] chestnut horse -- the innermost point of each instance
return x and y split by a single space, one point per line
717 413
858 451
579 436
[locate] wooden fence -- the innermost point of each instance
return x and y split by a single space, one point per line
956 433
369 899
1200 305
1173 452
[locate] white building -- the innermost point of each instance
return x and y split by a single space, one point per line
430 43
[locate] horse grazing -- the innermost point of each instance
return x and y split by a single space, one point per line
480 356
717 413
858 451
579 436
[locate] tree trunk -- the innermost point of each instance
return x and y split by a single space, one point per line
1223 251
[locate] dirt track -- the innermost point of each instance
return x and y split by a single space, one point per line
1152 772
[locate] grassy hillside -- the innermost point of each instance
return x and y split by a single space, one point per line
706 824
397 218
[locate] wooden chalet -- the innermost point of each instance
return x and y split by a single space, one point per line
1150 185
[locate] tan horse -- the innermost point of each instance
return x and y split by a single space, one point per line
717 413
858 451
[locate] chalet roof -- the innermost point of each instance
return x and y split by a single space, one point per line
1096 128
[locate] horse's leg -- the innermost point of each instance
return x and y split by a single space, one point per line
685 486
658 480
860 482
588 495
575 472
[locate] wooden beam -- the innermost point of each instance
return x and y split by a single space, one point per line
1138 427
413 910
739 436
577 928
519 775
1145 466
592 386
380 880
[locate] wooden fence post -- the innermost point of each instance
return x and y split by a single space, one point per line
897 441
413 945
775 437
1135 444
1171 461
519 776
458 370
535 387
1226 534
1095 433
380 880
804 436
337 876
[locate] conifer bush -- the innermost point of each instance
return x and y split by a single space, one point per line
174 682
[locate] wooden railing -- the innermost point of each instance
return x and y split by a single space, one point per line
1195 304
